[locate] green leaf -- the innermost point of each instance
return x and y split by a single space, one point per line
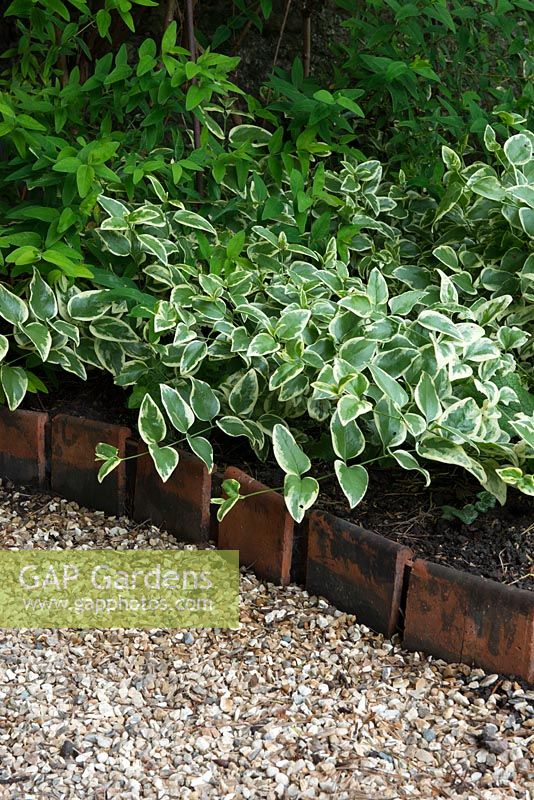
4 346
192 357
289 455
202 448
40 337
389 386
165 460
24 255
108 466
447 256
153 246
299 495
426 397
518 149
104 451
178 411
436 448
12 308
103 21
192 220
350 407
203 400
407 461
435 321
353 481
244 394
151 423
42 300
113 330
85 176
347 440
15 384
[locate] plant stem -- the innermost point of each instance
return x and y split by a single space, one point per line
282 29
191 43
306 50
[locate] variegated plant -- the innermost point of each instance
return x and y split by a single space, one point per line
398 327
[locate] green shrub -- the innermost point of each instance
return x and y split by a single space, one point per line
431 73
351 316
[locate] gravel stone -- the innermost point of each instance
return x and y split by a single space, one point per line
301 702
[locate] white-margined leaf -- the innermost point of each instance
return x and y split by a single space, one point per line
108 466
12 308
116 242
353 480
292 324
299 494
203 400
4 346
40 337
347 440
165 460
15 384
289 455
426 398
86 306
192 357
389 386
350 407
202 448
192 220
408 461
149 244
151 422
244 394
436 448
435 321
113 207
178 411
113 330
42 300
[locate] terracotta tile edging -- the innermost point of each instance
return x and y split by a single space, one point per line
449 614
181 505
73 469
359 571
260 528
466 618
23 446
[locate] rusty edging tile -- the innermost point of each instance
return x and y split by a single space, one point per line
461 617
73 466
182 504
359 571
23 446
260 528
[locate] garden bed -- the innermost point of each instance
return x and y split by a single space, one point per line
498 545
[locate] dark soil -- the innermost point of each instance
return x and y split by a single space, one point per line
96 398
499 544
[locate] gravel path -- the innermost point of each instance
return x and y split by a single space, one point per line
301 702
